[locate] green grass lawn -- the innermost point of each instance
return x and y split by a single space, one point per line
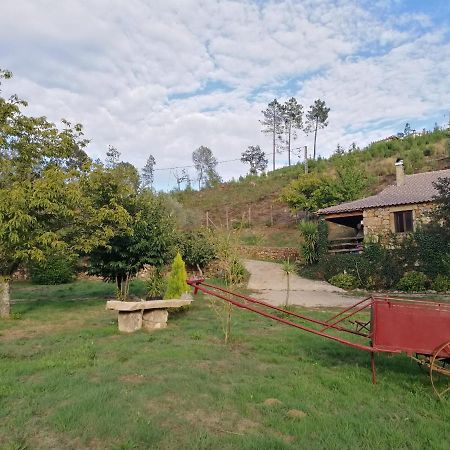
70 380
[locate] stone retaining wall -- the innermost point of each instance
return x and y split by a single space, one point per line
269 253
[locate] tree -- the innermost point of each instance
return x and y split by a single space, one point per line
351 181
148 172
205 164
43 208
256 158
311 192
182 177
442 199
317 117
273 124
407 130
112 157
292 113
339 150
148 239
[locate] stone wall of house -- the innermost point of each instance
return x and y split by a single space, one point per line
379 222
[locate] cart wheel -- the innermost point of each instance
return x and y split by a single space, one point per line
440 371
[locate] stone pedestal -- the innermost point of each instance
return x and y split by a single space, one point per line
150 315
154 319
130 321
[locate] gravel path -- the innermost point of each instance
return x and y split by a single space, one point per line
269 282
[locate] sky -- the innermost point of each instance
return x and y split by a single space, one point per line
164 77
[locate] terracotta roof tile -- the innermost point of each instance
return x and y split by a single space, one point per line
418 188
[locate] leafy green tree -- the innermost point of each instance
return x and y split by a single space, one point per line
176 283
256 158
311 192
351 181
148 238
42 204
272 123
206 166
292 113
316 117
148 173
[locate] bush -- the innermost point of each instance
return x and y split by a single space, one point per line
308 248
412 282
441 283
176 283
344 281
196 248
56 269
156 284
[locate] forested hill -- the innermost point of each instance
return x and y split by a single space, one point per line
422 153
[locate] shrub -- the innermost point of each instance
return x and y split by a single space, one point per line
196 248
56 269
156 284
308 248
176 283
441 283
412 282
344 281
237 272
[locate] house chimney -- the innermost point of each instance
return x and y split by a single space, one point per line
400 172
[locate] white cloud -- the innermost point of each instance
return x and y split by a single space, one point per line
118 68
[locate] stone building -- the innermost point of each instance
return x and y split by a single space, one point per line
397 209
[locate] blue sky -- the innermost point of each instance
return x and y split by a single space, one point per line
164 77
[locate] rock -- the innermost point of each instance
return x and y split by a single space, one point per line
154 319
130 321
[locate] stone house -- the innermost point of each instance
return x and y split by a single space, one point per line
396 209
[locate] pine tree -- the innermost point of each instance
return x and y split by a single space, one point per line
148 173
317 117
273 124
292 113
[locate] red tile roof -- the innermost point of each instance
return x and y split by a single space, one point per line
418 188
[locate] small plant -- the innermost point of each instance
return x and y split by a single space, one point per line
441 283
344 281
176 283
412 282
288 268
156 284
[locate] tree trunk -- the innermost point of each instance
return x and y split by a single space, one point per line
274 133
287 290
315 138
289 145
5 301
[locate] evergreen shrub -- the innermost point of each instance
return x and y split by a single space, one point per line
176 282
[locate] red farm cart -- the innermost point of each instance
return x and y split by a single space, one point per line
421 329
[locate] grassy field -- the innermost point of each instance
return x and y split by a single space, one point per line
70 380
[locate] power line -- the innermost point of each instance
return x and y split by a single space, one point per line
186 167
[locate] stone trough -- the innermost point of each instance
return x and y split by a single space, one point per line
149 315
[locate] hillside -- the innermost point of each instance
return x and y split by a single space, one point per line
271 221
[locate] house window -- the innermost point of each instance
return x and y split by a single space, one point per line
403 221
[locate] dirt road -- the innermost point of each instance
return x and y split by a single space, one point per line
269 282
